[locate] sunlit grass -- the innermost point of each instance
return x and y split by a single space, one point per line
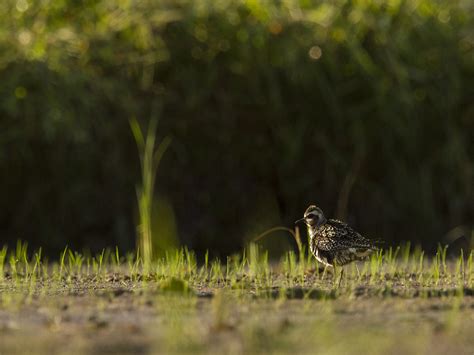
246 303
406 272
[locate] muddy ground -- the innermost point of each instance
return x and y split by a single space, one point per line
125 316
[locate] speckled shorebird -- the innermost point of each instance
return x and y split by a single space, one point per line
332 242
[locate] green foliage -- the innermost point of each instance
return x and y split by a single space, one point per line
359 106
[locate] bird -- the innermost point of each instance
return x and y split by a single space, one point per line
332 242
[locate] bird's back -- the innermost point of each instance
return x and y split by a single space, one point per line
340 242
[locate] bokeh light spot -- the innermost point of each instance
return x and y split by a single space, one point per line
24 37
444 16
315 52
22 5
275 28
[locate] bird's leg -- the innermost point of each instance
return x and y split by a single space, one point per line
334 272
358 272
324 272
340 277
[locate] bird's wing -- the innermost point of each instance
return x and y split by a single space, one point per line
337 235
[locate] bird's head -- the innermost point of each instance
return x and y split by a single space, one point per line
313 217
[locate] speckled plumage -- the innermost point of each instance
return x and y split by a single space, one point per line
333 242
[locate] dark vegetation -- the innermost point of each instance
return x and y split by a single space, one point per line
364 108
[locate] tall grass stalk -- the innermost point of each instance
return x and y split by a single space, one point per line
150 157
61 262
295 233
3 256
37 266
406 255
470 268
420 267
436 267
460 272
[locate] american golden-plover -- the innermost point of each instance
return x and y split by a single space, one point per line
333 243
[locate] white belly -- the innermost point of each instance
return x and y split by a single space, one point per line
321 259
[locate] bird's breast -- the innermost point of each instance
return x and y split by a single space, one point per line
322 256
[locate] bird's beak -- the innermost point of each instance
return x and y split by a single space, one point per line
299 221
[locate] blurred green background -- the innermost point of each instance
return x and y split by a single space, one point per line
365 108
